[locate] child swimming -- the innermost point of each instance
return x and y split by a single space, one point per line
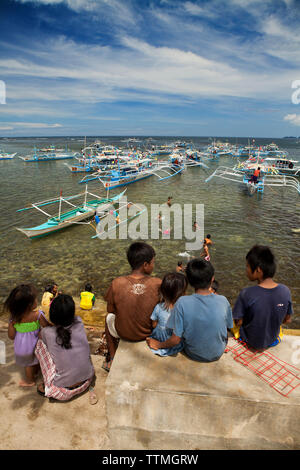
172 287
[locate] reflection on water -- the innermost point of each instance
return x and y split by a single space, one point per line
235 221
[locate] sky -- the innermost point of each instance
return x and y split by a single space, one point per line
150 67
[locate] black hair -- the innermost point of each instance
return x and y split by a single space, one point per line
172 287
215 285
199 273
88 287
62 315
139 253
262 257
49 287
208 235
179 263
20 300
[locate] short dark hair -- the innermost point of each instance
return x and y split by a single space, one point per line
88 287
199 273
20 299
262 257
62 315
215 285
139 253
208 235
179 263
172 287
49 287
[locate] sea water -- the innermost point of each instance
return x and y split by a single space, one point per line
71 257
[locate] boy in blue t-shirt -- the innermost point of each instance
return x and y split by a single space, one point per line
260 310
200 320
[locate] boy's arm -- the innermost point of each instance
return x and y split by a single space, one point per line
287 318
169 343
109 298
11 330
175 323
239 310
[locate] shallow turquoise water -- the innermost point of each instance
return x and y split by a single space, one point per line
70 257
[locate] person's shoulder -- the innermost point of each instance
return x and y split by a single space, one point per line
220 299
284 289
185 300
249 291
117 281
154 280
48 331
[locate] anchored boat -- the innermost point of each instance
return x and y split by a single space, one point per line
76 215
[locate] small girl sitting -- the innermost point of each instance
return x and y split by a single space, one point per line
24 326
51 291
172 287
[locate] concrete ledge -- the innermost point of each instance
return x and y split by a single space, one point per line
175 403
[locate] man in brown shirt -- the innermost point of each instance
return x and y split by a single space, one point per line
131 300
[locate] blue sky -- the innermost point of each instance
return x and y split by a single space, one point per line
155 67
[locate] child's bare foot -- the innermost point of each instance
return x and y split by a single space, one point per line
24 383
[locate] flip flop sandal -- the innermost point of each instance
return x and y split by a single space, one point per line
105 366
40 391
93 399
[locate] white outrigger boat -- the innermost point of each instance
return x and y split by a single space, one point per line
244 178
135 171
76 215
7 156
39 156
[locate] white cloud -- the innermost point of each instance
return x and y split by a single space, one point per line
293 119
36 125
196 10
117 10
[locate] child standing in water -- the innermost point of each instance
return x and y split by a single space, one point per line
205 253
24 326
172 287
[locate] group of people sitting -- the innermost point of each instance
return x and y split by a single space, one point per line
145 308
142 307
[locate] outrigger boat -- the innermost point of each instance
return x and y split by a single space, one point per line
76 215
135 171
39 156
244 178
6 156
271 165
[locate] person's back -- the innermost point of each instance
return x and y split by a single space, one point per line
202 322
263 311
87 298
72 365
260 310
132 300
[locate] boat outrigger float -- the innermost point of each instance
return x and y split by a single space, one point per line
238 176
76 215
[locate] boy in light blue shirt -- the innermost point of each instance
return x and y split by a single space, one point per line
201 320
